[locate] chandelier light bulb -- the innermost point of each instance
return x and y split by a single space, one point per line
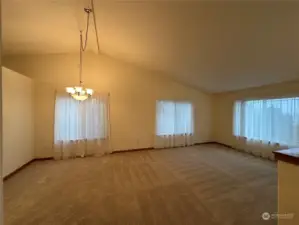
79 93
89 91
78 89
70 90
80 97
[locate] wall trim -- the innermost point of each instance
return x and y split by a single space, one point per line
43 159
206 142
114 152
25 165
152 148
214 142
17 170
132 150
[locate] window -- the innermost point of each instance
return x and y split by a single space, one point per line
76 120
271 120
174 118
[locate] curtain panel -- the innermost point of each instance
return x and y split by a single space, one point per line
174 124
263 126
174 140
82 128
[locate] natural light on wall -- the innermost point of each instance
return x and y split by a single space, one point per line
268 120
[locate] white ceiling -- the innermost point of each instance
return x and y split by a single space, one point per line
213 45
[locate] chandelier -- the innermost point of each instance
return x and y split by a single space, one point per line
79 92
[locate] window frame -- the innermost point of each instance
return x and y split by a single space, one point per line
175 102
86 135
242 122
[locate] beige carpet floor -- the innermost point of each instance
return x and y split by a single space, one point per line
206 185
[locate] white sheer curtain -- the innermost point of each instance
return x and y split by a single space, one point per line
174 124
267 124
81 127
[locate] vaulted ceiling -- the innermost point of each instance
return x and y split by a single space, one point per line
212 45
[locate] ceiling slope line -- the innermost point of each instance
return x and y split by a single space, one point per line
165 75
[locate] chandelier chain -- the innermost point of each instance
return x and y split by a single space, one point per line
83 46
81 93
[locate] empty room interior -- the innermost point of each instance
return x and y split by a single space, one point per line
150 112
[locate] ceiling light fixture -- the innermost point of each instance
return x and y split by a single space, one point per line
81 93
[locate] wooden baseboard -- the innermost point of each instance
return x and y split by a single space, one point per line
25 165
213 142
206 143
43 159
114 152
151 148
132 150
17 170
228 146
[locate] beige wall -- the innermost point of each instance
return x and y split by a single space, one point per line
133 90
18 125
223 106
